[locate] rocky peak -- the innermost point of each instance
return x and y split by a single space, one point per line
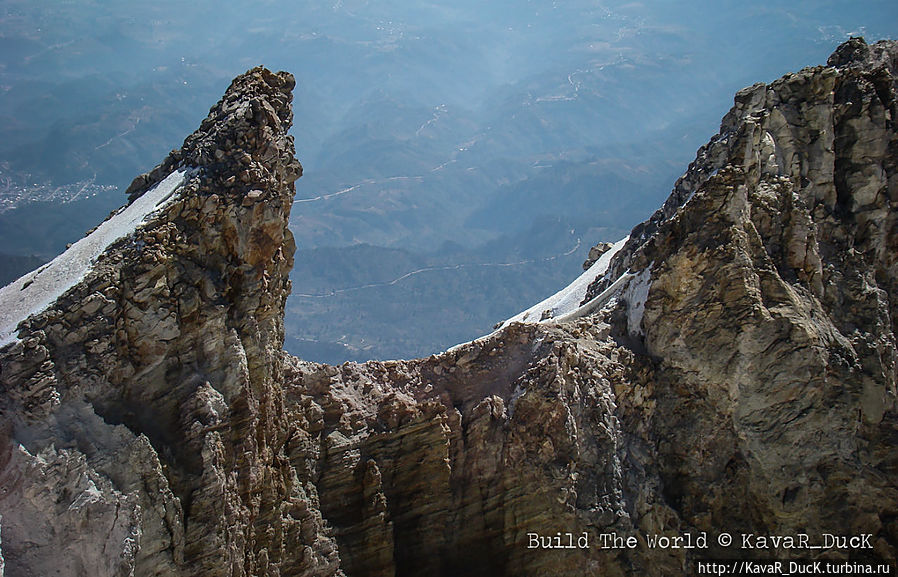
856 52
241 138
148 395
763 295
824 132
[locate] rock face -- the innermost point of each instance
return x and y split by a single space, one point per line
768 324
734 371
143 416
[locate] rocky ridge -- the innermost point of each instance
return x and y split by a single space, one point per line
733 371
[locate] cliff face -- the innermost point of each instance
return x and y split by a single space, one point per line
768 383
143 419
733 370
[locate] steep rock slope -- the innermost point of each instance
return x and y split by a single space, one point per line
142 415
768 323
732 370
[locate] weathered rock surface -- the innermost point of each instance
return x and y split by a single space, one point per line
143 416
734 372
767 398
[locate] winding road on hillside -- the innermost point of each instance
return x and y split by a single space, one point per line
422 270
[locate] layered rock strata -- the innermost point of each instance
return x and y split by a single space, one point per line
733 371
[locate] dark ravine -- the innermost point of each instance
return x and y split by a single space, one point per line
742 380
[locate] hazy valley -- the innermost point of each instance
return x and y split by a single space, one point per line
433 136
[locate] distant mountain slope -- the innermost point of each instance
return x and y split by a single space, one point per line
365 302
14 266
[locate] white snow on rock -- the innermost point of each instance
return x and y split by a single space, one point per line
1 546
563 306
568 299
35 291
606 297
636 294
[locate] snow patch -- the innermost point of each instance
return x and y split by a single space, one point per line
35 291
605 298
636 294
568 299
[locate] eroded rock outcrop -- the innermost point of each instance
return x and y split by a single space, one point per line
445 464
734 370
143 414
767 317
